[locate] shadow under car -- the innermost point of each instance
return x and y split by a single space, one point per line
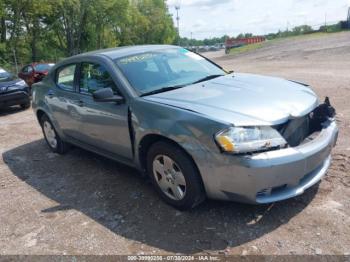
121 200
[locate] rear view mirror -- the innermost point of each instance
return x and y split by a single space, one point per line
107 95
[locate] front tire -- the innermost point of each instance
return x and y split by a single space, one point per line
174 176
53 140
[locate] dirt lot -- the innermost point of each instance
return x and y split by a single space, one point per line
81 203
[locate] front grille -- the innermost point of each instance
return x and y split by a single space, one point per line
296 130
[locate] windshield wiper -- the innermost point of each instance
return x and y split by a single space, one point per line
162 90
169 88
209 77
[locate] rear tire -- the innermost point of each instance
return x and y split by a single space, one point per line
53 140
174 176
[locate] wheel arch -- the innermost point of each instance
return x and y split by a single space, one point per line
39 114
148 140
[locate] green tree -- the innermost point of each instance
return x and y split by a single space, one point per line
158 25
34 30
302 29
34 15
107 17
2 22
69 22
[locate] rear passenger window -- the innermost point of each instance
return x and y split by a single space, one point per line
65 77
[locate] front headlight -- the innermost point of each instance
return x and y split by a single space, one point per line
21 83
14 87
249 139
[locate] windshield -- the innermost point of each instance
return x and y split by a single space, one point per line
151 71
43 67
6 76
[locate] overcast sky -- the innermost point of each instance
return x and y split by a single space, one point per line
208 18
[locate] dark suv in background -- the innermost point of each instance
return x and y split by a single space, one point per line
13 91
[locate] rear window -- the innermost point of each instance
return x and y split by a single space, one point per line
65 77
43 67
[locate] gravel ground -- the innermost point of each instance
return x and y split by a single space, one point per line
81 203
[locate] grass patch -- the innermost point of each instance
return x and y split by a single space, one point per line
315 35
305 36
252 47
246 48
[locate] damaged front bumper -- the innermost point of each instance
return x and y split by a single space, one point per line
270 176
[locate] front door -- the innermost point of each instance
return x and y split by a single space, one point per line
103 124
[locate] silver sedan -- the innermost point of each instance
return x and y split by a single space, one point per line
196 130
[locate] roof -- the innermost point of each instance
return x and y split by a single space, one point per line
118 52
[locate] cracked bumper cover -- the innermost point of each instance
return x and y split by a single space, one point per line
269 176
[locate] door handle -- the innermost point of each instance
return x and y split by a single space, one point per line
50 93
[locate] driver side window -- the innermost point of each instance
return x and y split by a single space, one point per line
94 77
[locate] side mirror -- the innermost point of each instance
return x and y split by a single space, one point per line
107 95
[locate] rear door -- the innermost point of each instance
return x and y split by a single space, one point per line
102 124
64 100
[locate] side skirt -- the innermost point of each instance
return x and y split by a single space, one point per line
103 153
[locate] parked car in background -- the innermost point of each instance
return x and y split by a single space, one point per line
235 43
34 72
214 48
202 49
13 91
195 129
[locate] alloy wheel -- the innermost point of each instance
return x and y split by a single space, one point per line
50 134
169 177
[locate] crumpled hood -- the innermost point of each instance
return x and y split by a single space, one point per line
243 99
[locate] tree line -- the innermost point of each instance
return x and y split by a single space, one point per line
295 31
306 29
48 30
42 30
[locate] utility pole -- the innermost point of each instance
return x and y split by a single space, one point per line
325 22
177 7
191 39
